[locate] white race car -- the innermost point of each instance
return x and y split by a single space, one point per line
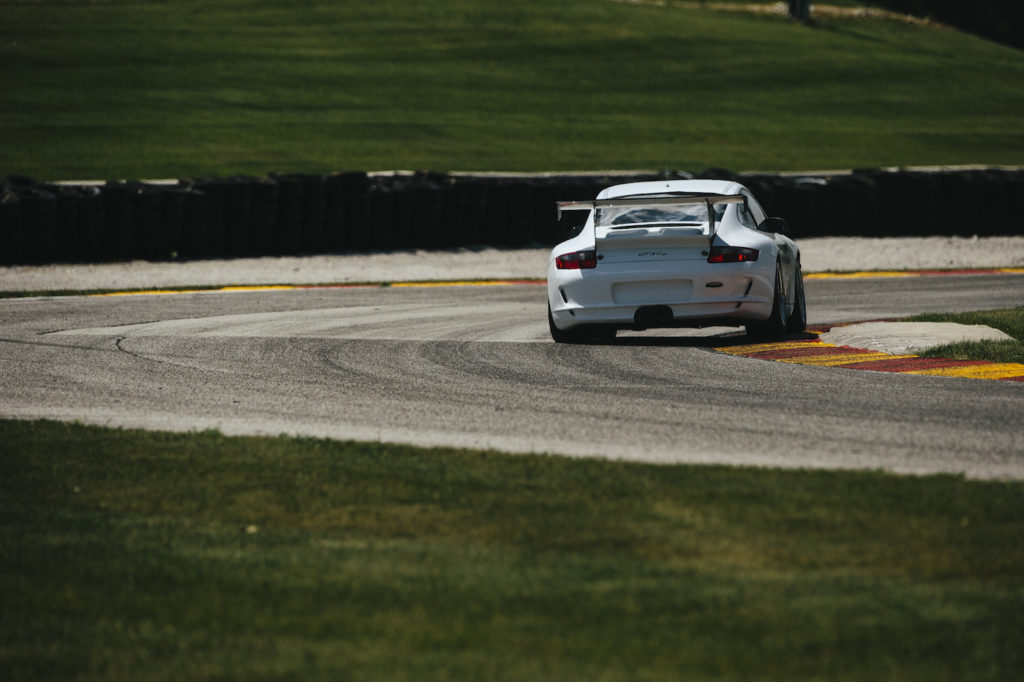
675 253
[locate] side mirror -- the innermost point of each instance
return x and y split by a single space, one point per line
777 225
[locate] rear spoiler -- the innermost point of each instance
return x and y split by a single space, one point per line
680 200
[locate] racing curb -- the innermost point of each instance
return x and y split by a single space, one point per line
812 351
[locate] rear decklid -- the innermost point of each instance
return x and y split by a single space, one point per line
661 227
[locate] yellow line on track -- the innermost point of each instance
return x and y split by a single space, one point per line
867 274
461 283
841 359
230 289
151 292
297 287
261 287
763 347
859 275
993 371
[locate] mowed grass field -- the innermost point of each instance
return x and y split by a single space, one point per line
153 556
127 89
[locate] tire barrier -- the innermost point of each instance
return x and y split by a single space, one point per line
334 214
237 217
116 235
287 214
380 210
313 211
428 200
399 236
66 239
12 232
167 242
286 236
147 237
195 214
39 218
212 242
355 211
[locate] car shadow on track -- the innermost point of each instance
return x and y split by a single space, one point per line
734 339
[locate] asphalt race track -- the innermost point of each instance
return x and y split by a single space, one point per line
474 366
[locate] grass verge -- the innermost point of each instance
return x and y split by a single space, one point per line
156 556
130 88
1010 320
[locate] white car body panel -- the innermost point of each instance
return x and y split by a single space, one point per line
665 264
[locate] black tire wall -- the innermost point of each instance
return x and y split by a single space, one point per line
287 214
12 230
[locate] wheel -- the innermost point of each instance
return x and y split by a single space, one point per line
777 323
561 335
583 334
798 320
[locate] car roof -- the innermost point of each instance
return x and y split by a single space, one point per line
669 186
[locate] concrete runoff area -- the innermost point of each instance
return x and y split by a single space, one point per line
898 338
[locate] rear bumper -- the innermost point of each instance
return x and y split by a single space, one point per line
707 294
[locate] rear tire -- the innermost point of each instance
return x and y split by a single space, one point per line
778 322
581 334
562 335
798 320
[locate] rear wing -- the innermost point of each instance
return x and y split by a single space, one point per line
634 202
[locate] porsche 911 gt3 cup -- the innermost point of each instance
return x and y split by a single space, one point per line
677 253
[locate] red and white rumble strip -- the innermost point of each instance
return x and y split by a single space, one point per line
812 351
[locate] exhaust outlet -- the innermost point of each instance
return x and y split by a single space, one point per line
653 316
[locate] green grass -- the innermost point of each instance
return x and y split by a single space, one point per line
119 88
154 556
1010 321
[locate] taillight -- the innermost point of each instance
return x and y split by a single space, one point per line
578 260
731 254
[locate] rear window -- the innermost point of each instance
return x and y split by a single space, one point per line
696 214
